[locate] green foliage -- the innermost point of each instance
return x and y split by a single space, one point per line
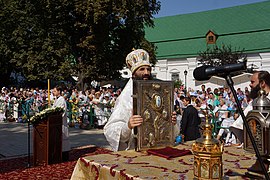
219 56
85 38
43 115
34 38
178 83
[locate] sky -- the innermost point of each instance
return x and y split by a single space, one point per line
175 7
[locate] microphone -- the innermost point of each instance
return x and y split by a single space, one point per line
205 72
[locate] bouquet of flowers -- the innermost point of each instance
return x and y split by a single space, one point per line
37 118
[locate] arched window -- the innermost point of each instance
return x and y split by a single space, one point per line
175 76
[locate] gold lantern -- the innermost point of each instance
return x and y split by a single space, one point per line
207 155
258 120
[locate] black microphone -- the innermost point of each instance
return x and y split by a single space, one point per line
205 72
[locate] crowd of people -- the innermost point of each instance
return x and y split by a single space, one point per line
93 107
220 104
84 108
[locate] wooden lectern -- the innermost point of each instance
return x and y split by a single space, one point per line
48 141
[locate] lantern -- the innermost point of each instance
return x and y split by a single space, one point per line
258 120
207 155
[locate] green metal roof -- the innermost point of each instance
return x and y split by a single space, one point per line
245 27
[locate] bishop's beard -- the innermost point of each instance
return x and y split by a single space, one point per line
149 77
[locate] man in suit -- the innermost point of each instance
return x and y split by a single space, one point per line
190 121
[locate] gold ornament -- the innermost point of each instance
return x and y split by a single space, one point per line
207 155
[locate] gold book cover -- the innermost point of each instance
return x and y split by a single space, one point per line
153 100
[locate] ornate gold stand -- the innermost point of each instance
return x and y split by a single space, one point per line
207 155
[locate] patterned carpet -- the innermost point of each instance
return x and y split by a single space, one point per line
16 168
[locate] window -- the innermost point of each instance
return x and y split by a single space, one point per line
211 37
175 76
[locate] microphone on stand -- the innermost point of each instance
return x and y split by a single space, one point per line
205 72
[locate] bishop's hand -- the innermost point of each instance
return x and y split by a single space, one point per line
135 120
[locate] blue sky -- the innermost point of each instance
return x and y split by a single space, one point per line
174 7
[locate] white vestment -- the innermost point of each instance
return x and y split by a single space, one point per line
116 131
99 112
61 102
15 107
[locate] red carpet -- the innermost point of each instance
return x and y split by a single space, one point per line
16 168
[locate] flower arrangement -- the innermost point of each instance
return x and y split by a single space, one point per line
37 118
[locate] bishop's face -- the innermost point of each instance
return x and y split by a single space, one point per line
142 73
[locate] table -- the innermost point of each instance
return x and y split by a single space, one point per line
140 165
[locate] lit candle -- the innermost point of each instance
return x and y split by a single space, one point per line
49 93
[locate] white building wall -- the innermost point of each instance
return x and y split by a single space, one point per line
164 68
161 68
265 61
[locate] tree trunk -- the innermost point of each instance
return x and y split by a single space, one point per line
80 83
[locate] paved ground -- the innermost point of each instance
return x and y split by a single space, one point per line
14 139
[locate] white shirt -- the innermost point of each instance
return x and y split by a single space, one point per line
222 111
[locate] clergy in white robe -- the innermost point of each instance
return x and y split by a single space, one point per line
119 128
61 102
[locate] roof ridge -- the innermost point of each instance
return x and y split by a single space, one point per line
224 34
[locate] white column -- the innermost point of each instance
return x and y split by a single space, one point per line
192 64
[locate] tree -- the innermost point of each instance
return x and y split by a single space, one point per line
219 56
178 83
85 38
106 31
6 7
